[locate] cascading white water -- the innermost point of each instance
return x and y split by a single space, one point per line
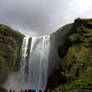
34 58
23 54
37 61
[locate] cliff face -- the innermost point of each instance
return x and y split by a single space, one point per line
74 72
10 43
74 43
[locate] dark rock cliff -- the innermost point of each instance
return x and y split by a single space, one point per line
10 43
73 43
74 72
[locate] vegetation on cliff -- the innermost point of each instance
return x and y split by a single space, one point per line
74 72
10 43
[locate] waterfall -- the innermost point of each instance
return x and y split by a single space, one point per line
36 62
23 55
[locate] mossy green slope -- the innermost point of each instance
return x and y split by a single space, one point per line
10 43
74 73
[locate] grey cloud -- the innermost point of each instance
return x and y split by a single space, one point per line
39 17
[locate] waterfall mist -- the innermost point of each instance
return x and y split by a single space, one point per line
34 60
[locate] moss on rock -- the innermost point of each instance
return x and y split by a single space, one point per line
74 72
10 43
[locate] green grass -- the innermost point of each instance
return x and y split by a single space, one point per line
83 84
76 65
10 43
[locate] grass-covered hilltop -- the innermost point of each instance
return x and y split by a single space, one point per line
74 72
10 43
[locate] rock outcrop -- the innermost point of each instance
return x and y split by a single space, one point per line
74 72
10 44
74 46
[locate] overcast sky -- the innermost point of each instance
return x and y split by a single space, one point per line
42 17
